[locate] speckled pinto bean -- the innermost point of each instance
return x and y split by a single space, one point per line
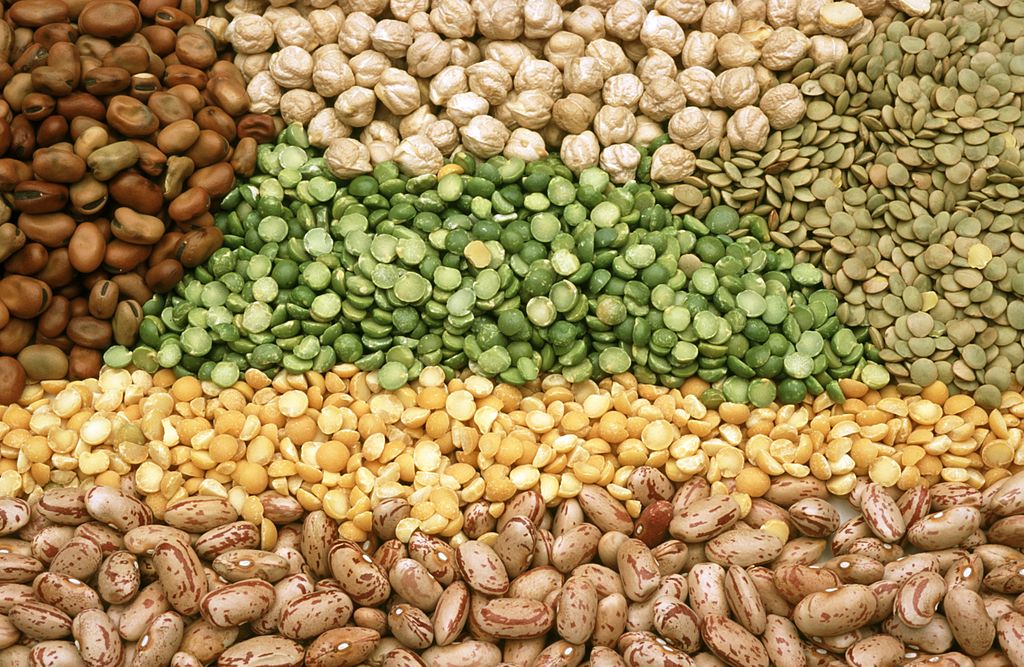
972 627
414 583
14 515
40 621
270 651
342 647
118 578
744 601
66 593
237 603
743 548
705 519
835 611
515 545
947 529
238 564
732 643
200 513
181 574
97 639
314 613
875 651
236 535
575 546
882 514
150 602
361 578
706 582
918 598
512 618
481 567
577 610
116 509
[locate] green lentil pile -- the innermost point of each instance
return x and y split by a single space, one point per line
903 184
505 268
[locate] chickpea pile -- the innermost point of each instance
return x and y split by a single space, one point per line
337 442
411 80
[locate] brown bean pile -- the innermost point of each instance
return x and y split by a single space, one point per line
928 577
120 123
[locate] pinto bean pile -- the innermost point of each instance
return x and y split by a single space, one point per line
927 577
120 124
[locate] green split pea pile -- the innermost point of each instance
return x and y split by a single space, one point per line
506 268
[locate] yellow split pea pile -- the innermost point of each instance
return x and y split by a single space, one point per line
337 442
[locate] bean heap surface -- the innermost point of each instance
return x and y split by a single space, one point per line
926 576
118 124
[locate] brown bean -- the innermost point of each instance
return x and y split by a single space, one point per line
106 80
133 287
195 48
23 136
12 379
107 161
160 39
51 229
15 336
217 179
39 197
80 103
194 201
131 117
131 189
170 109
58 271
103 299
13 172
58 166
86 248
127 318
151 161
197 246
260 127
243 158
137 228
50 35
28 261
132 58
217 120
90 332
36 13
109 19
52 130
179 135
24 297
